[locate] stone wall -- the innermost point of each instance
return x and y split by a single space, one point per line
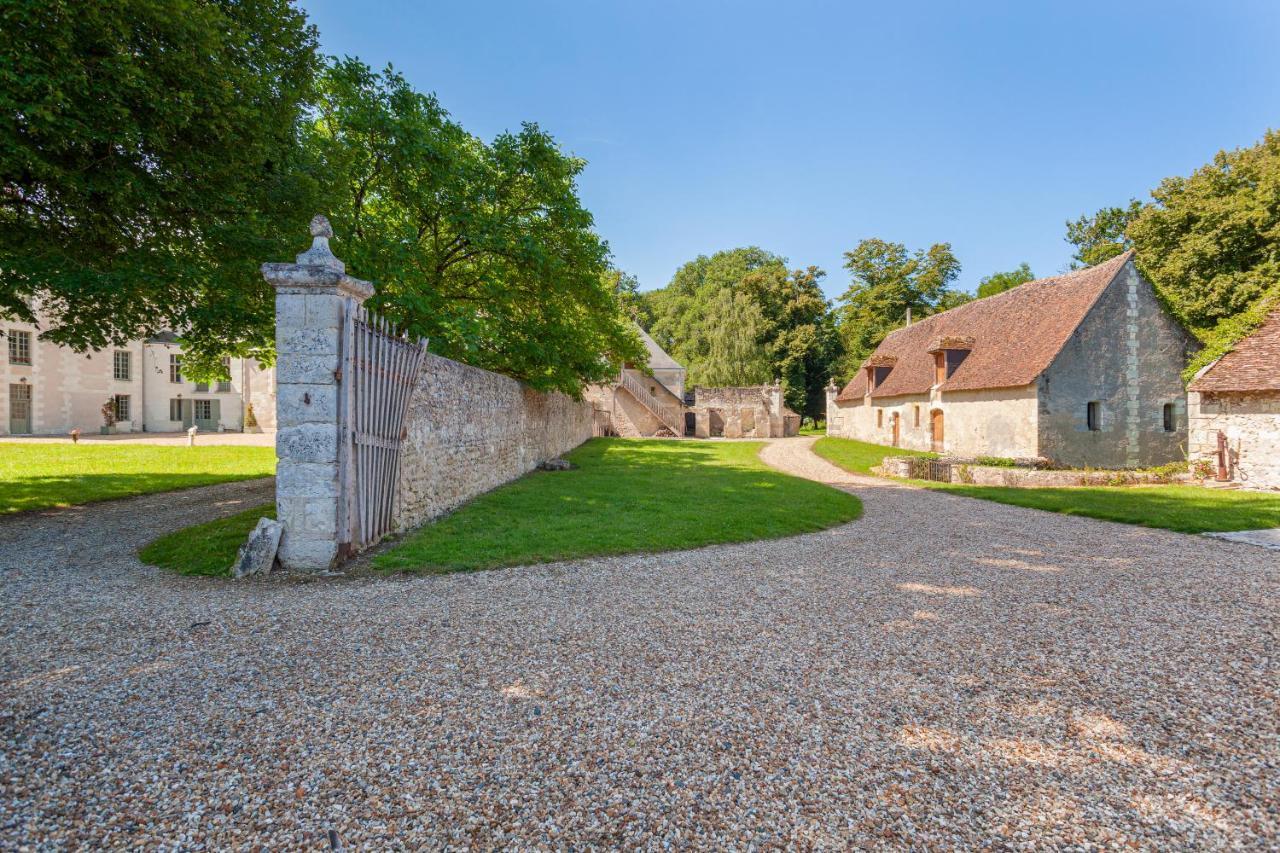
752 411
1030 478
1251 422
1127 355
993 422
469 431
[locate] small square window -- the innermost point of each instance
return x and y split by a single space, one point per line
1093 415
122 365
19 347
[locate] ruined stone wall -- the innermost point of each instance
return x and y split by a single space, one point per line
469 431
1251 422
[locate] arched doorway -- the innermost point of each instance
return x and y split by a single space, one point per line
935 423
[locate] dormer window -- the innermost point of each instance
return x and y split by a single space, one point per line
878 369
948 354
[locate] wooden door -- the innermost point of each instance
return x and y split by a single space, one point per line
19 409
935 420
897 428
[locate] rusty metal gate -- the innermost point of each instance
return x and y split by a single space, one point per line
379 370
930 469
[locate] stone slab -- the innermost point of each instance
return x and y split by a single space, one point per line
258 554
1269 538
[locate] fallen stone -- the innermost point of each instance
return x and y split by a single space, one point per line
1265 538
555 465
258 555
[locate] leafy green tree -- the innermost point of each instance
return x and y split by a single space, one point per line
681 310
1002 281
146 165
1101 237
735 353
887 281
1210 243
485 249
634 304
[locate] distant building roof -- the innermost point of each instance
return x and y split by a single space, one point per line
658 358
1254 364
1011 338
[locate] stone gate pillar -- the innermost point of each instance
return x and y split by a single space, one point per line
832 391
310 297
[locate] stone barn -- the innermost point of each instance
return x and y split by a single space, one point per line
1082 368
643 404
1234 411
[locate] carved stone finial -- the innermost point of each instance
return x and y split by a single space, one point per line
320 226
320 254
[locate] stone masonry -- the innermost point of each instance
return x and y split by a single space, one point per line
310 295
469 431
1251 423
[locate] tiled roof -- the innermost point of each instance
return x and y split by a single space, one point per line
1254 365
1012 336
658 358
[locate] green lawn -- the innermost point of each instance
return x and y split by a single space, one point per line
205 549
625 496
39 475
858 456
1184 508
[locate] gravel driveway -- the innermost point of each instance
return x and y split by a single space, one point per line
943 672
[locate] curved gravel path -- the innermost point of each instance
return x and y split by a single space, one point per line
942 672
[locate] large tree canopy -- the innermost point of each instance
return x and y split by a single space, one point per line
146 165
1001 281
1209 243
740 317
485 249
887 281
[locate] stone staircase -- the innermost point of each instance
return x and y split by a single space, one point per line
671 417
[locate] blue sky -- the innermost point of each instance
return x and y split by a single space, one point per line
803 127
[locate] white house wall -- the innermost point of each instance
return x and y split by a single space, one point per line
992 422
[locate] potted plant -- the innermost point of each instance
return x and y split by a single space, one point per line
108 417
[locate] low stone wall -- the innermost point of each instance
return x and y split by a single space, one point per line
469 431
1029 478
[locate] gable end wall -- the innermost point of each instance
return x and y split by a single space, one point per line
1128 355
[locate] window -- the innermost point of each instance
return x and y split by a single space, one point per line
939 368
879 417
1169 423
955 358
175 410
917 408
175 368
121 406
224 385
202 386
1093 415
19 347
202 410
879 375
122 364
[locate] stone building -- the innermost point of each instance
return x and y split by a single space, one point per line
641 404
1233 407
755 411
1082 368
51 389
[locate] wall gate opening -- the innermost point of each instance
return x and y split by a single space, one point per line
379 368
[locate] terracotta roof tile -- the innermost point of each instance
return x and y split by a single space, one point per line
1013 335
1254 365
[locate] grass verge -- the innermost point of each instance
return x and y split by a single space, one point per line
625 496
858 456
1183 508
41 476
205 549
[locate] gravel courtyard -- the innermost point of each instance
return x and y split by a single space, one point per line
943 672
